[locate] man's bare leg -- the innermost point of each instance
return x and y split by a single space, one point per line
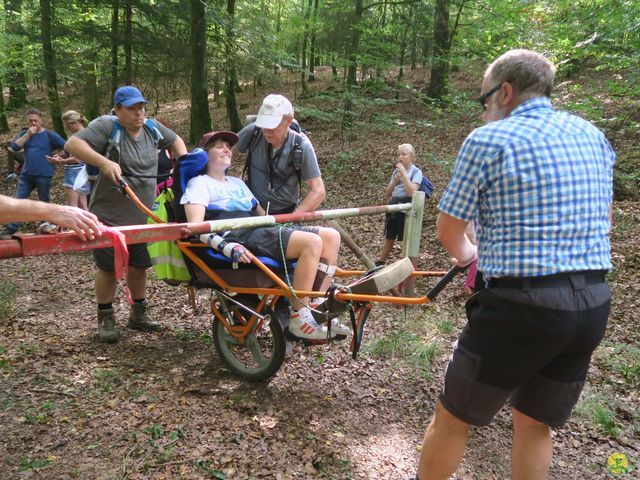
532 448
443 446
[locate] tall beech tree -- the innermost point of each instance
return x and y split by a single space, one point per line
46 20
200 115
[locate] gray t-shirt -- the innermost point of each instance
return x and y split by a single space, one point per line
275 183
138 156
414 174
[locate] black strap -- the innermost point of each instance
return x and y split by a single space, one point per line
296 151
356 339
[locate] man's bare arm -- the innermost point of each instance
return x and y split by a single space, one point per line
314 197
85 224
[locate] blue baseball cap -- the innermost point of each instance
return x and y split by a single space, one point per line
127 96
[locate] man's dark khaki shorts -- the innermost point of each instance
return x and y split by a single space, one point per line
138 257
530 342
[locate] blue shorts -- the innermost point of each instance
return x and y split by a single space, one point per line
70 174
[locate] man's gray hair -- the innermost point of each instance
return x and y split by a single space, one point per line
34 111
530 73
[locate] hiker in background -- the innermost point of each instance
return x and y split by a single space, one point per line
405 180
15 160
279 159
135 159
85 224
539 182
73 122
38 144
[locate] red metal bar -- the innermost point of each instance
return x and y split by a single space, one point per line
23 245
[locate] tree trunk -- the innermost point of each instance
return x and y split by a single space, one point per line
115 82
91 100
231 81
200 115
354 44
4 124
403 51
46 20
414 48
440 66
305 41
15 76
313 61
128 41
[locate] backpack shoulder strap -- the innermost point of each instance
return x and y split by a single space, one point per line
115 138
152 128
295 156
246 171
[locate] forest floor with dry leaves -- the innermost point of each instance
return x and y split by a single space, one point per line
163 406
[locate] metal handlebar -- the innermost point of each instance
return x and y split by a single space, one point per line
431 295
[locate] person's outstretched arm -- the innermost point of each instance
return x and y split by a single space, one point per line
85 224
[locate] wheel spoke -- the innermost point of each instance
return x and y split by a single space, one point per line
230 339
253 345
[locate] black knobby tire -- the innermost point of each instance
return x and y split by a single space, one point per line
262 354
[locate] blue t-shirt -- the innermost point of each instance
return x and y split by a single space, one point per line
36 150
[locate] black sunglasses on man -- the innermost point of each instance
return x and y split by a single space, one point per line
483 98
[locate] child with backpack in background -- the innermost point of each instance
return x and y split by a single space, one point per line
405 179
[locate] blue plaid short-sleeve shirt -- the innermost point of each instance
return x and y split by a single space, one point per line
540 185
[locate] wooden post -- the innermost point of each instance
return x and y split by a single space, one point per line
411 238
351 244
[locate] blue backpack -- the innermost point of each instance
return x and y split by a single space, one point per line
426 186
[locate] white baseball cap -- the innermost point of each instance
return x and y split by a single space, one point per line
273 108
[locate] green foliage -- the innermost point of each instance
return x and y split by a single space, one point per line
28 463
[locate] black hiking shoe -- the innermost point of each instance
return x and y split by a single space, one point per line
139 320
107 331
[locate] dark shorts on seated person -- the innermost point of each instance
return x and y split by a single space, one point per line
264 241
138 257
528 343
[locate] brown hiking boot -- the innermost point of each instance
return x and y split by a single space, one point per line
107 332
139 320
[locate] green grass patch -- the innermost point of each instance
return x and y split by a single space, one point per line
410 348
624 359
31 463
7 299
597 407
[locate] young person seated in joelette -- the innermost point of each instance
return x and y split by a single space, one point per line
229 197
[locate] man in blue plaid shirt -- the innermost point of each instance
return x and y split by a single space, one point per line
539 184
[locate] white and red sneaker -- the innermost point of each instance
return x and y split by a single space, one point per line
340 329
304 326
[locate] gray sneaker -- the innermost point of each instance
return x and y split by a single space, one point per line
107 331
10 177
139 319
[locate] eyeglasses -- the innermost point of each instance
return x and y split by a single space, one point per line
483 98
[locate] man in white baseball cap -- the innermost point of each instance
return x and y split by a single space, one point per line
273 109
279 159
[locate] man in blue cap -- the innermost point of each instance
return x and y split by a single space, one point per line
135 158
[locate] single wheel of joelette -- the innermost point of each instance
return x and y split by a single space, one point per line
260 354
